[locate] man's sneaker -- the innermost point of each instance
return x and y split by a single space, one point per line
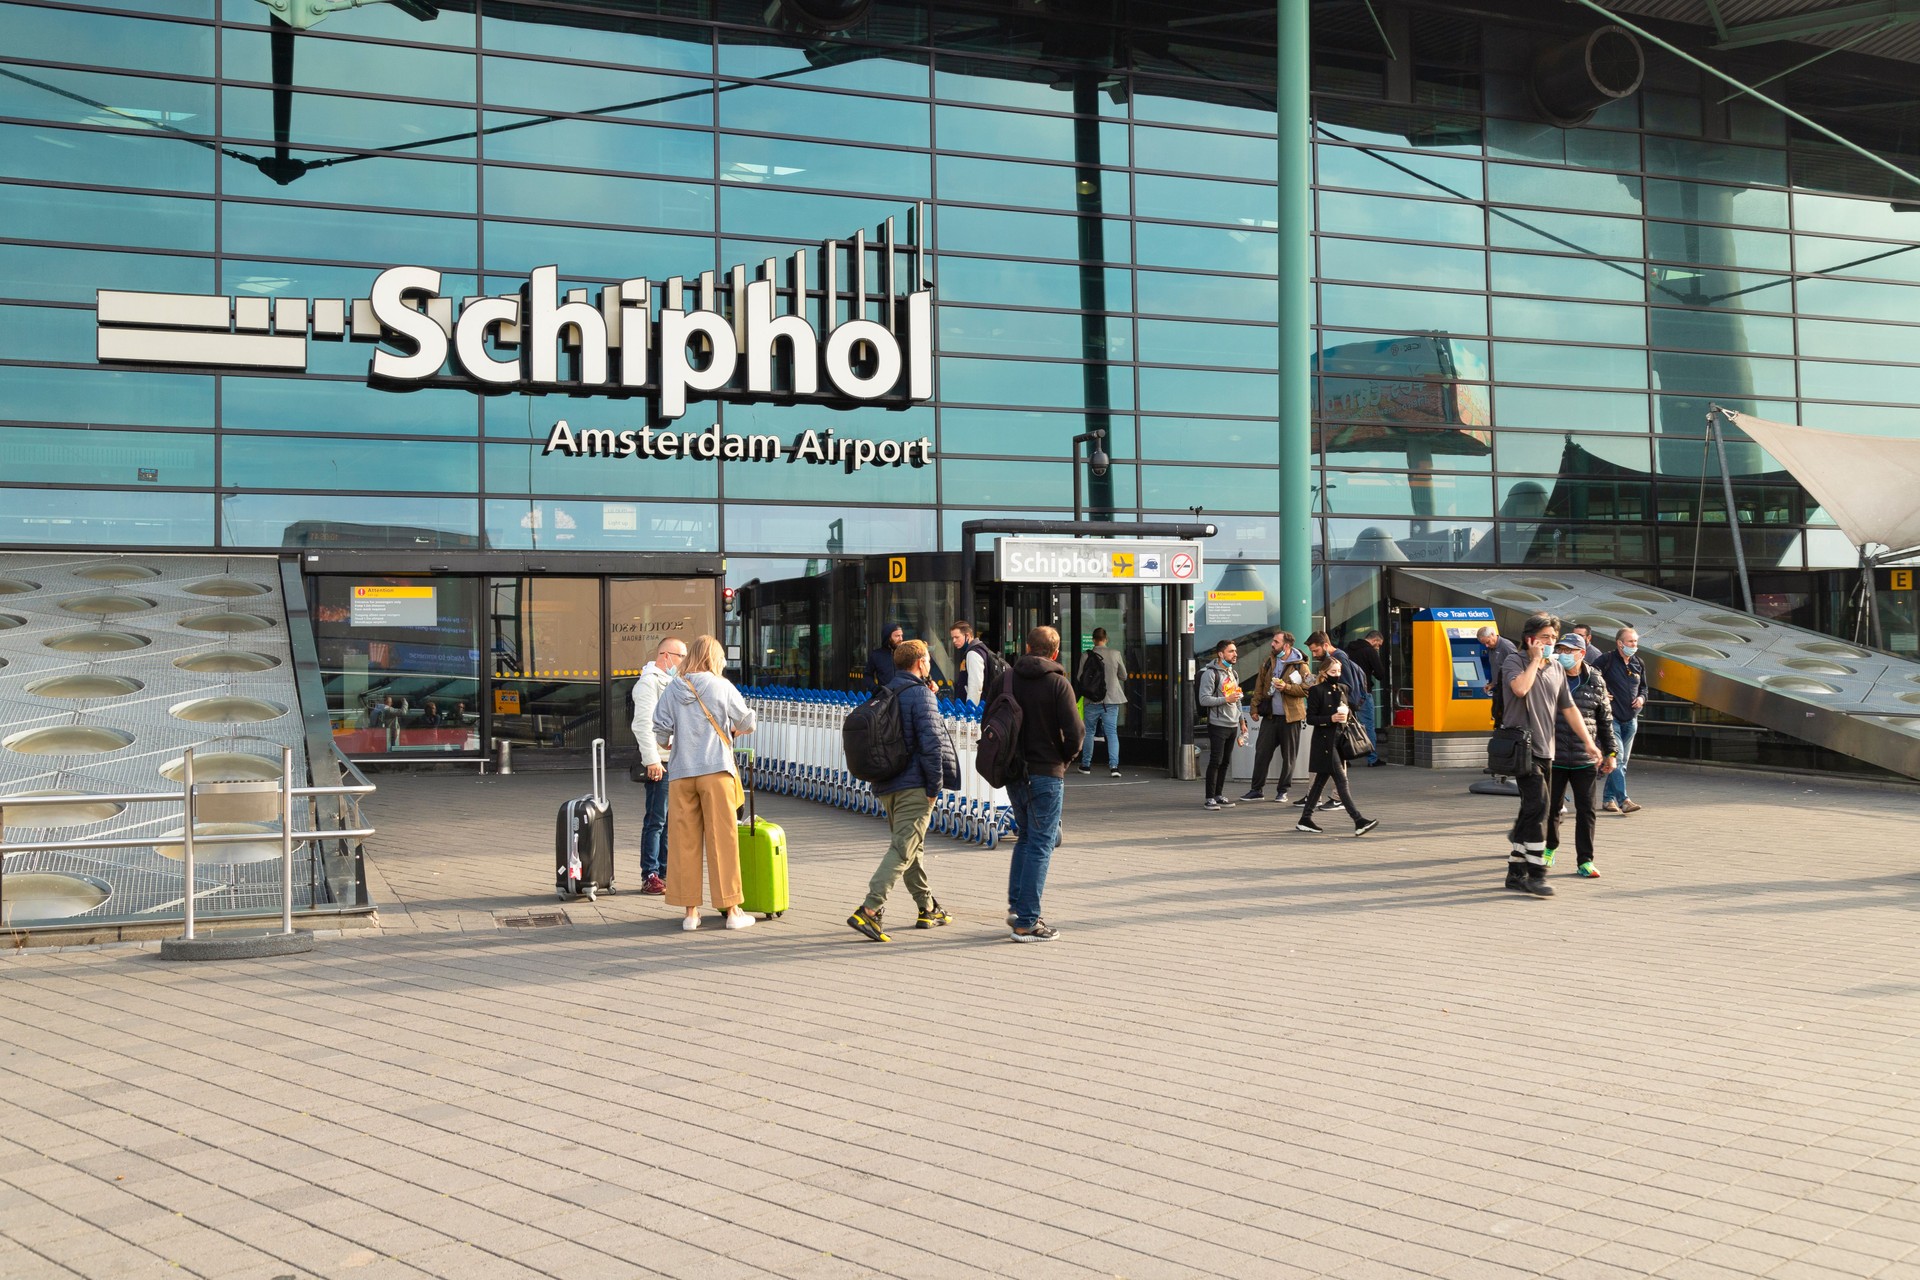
1611 806
1537 883
1517 876
1329 803
1282 799
932 916
1628 806
1302 800
1361 828
1308 825
1251 795
1086 768
1213 804
1546 857
868 922
654 885
1587 871
1041 932
1226 803
1114 773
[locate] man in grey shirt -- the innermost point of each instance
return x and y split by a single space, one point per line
1103 713
1536 689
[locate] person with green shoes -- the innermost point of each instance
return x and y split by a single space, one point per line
1572 770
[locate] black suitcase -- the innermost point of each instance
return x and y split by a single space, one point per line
583 839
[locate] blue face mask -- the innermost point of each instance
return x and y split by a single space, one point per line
1567 660
1628 650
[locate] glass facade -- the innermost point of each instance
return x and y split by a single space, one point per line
1520 325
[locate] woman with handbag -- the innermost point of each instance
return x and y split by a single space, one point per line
1338 736
701 714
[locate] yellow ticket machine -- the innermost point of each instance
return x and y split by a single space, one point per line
1451 672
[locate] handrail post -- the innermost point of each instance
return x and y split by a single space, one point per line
186 835
286 840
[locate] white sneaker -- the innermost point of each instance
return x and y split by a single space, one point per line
741 920
690 923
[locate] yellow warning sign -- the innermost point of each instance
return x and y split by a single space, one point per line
1122 565
506 702
1903 579
896 568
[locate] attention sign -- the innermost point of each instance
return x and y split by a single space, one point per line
383 606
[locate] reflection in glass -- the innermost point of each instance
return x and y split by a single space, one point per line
402 689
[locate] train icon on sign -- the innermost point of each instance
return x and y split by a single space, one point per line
1150 564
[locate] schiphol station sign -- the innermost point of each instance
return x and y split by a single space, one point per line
637 338
1111 561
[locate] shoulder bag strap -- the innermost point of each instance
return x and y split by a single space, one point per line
724 737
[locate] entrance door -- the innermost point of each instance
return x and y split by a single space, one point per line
546 664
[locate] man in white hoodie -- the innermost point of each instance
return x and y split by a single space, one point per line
654 677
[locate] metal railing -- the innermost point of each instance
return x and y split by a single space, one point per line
188 797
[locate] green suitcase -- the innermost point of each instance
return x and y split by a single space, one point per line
763 862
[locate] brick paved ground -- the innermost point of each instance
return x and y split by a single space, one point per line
1253 1053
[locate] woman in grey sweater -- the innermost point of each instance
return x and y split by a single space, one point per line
700 713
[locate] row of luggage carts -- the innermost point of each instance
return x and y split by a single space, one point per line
798 752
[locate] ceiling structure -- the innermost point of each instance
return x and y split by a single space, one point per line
1880 28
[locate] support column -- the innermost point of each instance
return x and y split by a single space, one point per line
1293 118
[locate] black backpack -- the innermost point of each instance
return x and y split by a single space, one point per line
1092 684
994 667
998 760
875 742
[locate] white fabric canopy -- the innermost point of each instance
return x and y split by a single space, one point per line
1870 485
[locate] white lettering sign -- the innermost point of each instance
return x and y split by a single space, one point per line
1117 561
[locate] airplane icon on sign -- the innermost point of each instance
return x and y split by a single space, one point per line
1122 565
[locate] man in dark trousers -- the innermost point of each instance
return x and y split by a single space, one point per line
1050 737
1321 646
1537 700
1371 662
1626 678
1279 705
1499 649
908 797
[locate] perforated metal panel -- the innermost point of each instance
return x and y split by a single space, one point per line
97 646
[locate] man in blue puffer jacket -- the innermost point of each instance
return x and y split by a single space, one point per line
908 796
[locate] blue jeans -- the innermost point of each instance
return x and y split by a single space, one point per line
1616 786
653 832
1102 716
1036 807
1365 714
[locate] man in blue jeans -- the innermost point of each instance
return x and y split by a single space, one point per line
654 677
1050 736
1626 678
1103 712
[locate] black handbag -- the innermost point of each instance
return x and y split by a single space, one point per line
1510 753
1353 740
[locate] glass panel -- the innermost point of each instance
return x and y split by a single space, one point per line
333 120
522 246
76 518
1570 321
1237 345
105 396
1841 340
1725 375
1203 200
41 455
1422 494
1039 384
1039 235
1578 366
1567 233
546 660
273 520
1392 263
751 211
1435 542
274 230
1186 390
348 464
771 109
634 41
578 524
47 333
1888 384
357 179
540 193
641 614
1353 307
521 469
1855 299
1245 488
1705 202
1209 440
332 63
401 689
1564 410
1547 452
1716 160
849 66
53 93
1057 335
1435 132
317 405
74 275
108 40
1184 151
1717 246
1024 284
39 152
785 162
1211 297
1028 484
1402 172
992 84
1842 216
1817 256
1391 218
1025 433
1033 186
1581 148
599 144
1559 188
1555 277
828 530
1721 331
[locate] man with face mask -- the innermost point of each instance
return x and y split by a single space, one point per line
1626 679
1538 701
1573 773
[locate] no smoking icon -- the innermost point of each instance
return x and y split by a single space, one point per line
1182 565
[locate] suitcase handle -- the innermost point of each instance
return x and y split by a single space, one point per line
600 770
746 781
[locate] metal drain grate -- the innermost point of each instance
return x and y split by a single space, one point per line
533 920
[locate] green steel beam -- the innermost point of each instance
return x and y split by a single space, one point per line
1818 22
1782 108
1848 43
1293 119
1719 23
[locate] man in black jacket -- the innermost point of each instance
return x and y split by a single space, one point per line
1626 678
1050 736
880 660
908 796
1371 664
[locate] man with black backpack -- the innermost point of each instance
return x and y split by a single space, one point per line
977 668
1102 685
904 723
1048 735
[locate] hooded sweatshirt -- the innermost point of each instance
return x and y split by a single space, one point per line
678 719
1050 728
880 669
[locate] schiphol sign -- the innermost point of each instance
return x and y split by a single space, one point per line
638 338
1112 561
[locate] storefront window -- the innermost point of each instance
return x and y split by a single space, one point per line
400 662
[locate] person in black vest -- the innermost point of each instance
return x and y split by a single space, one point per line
908 796
1328 709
